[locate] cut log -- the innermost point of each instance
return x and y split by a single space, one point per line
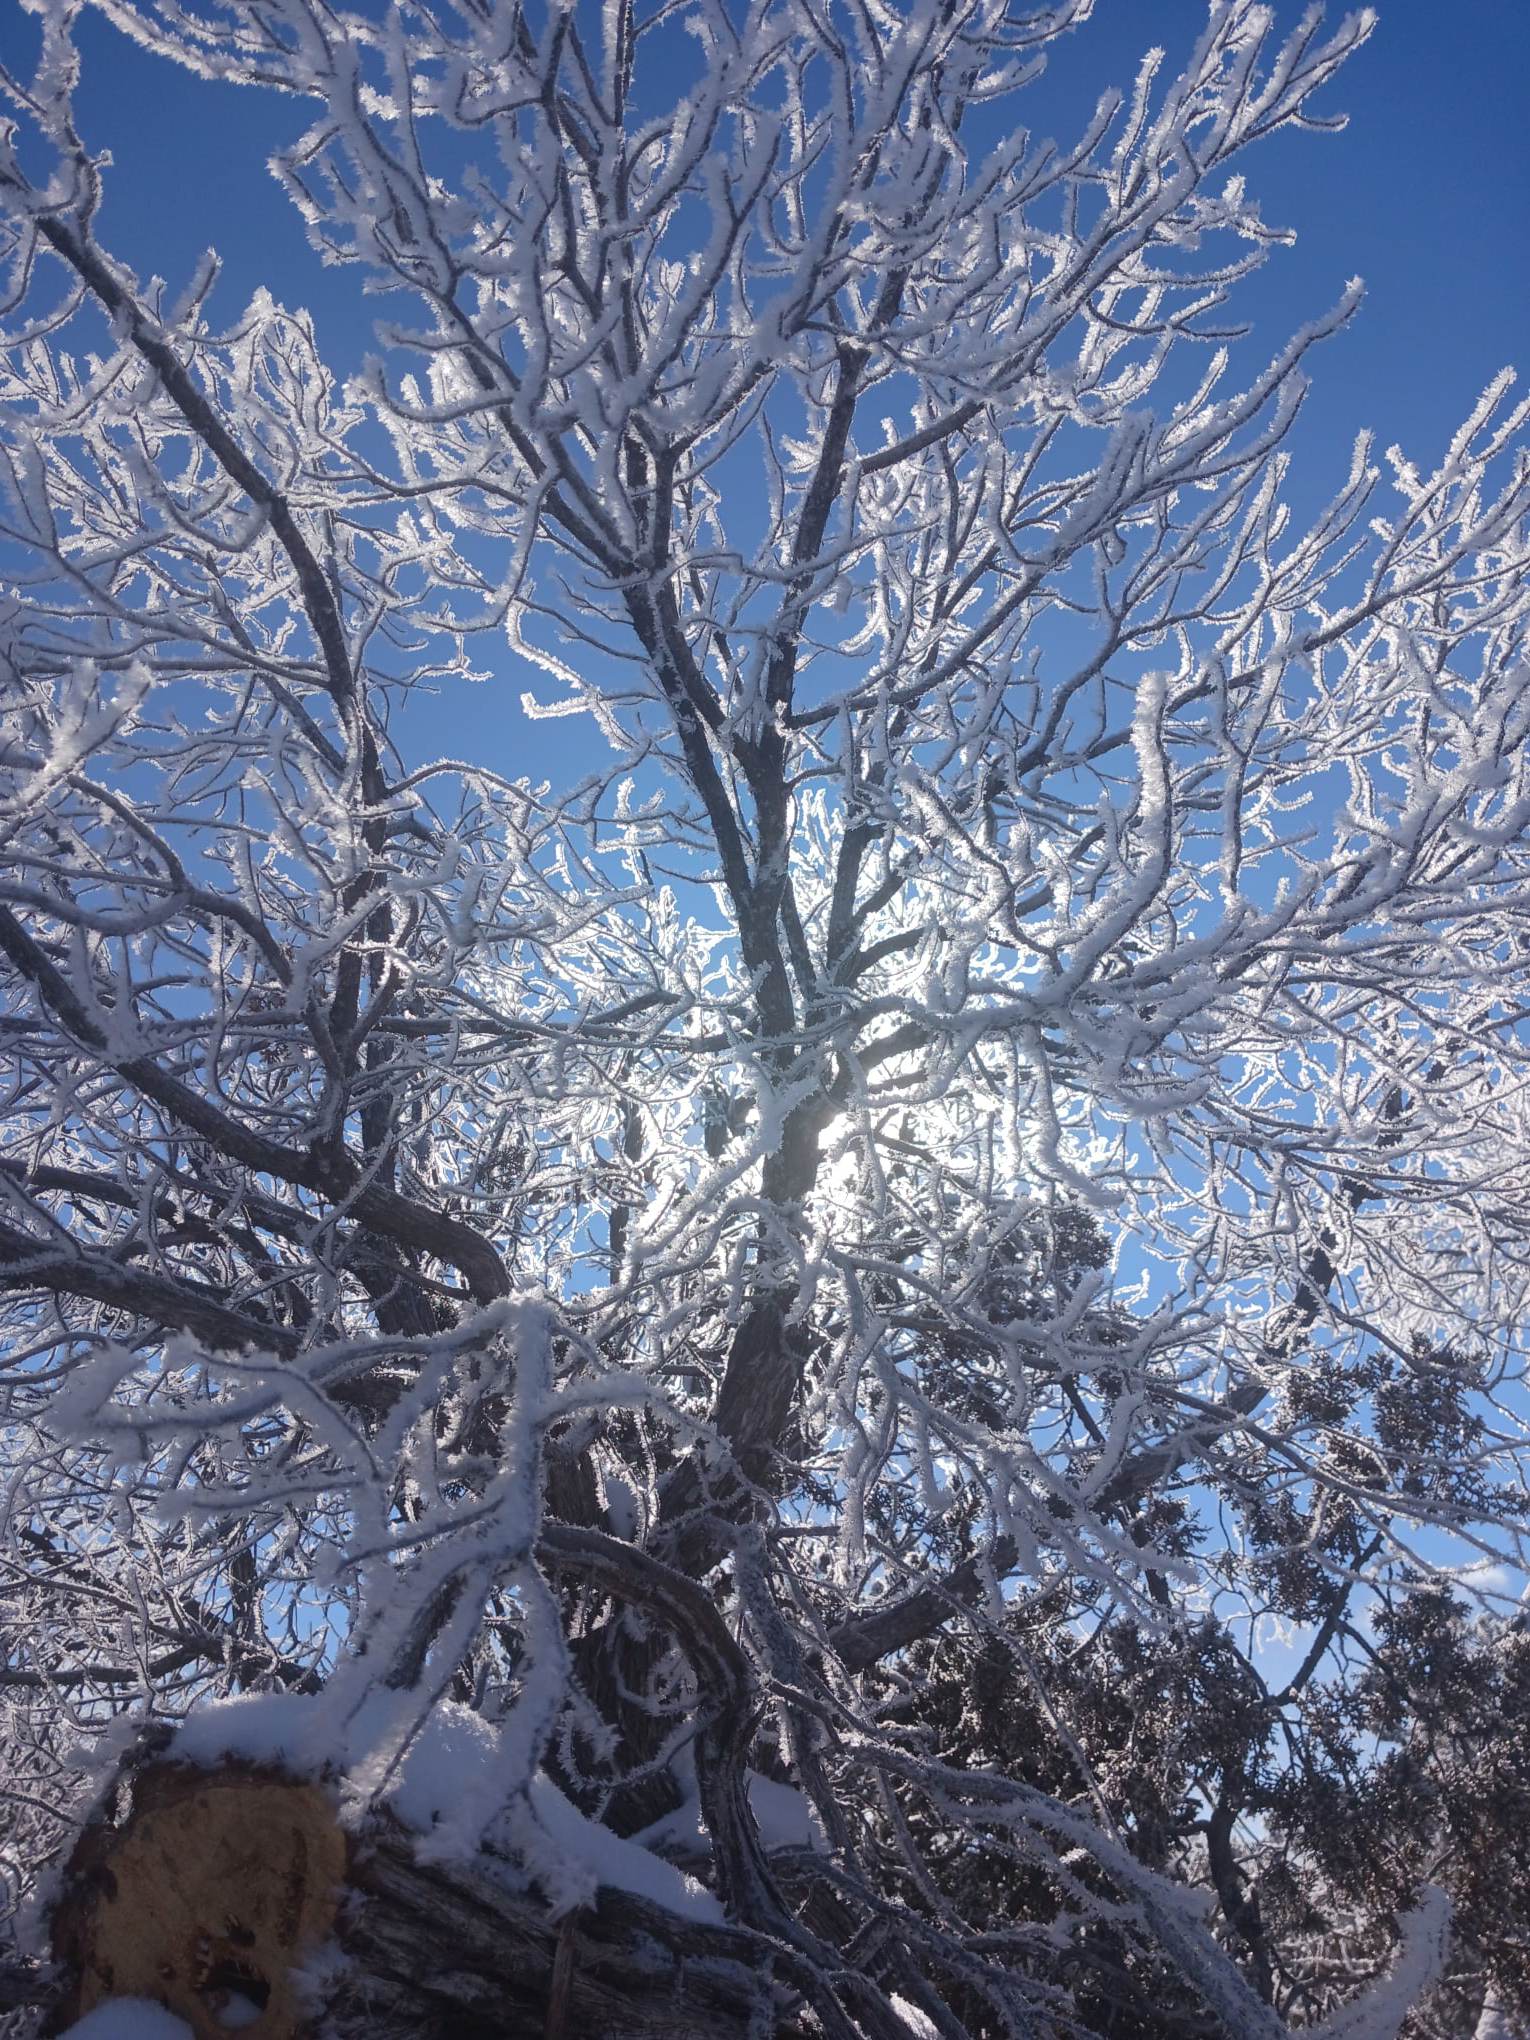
235 1898
208 1897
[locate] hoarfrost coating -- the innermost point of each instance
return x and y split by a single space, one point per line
897 1309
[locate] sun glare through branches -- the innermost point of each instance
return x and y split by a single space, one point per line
887 1320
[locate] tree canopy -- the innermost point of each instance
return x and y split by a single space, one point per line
909 1284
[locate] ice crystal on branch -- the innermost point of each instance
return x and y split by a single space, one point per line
834 1277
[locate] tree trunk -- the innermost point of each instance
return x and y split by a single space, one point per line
236 1899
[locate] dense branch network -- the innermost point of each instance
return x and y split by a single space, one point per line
983 1127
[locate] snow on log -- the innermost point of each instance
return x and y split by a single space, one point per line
235 1897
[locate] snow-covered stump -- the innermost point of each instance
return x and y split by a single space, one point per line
236 1898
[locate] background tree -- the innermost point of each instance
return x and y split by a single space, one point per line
819 1282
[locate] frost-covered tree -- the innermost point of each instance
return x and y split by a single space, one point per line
761 1341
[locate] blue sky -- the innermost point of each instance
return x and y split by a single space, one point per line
1426 195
